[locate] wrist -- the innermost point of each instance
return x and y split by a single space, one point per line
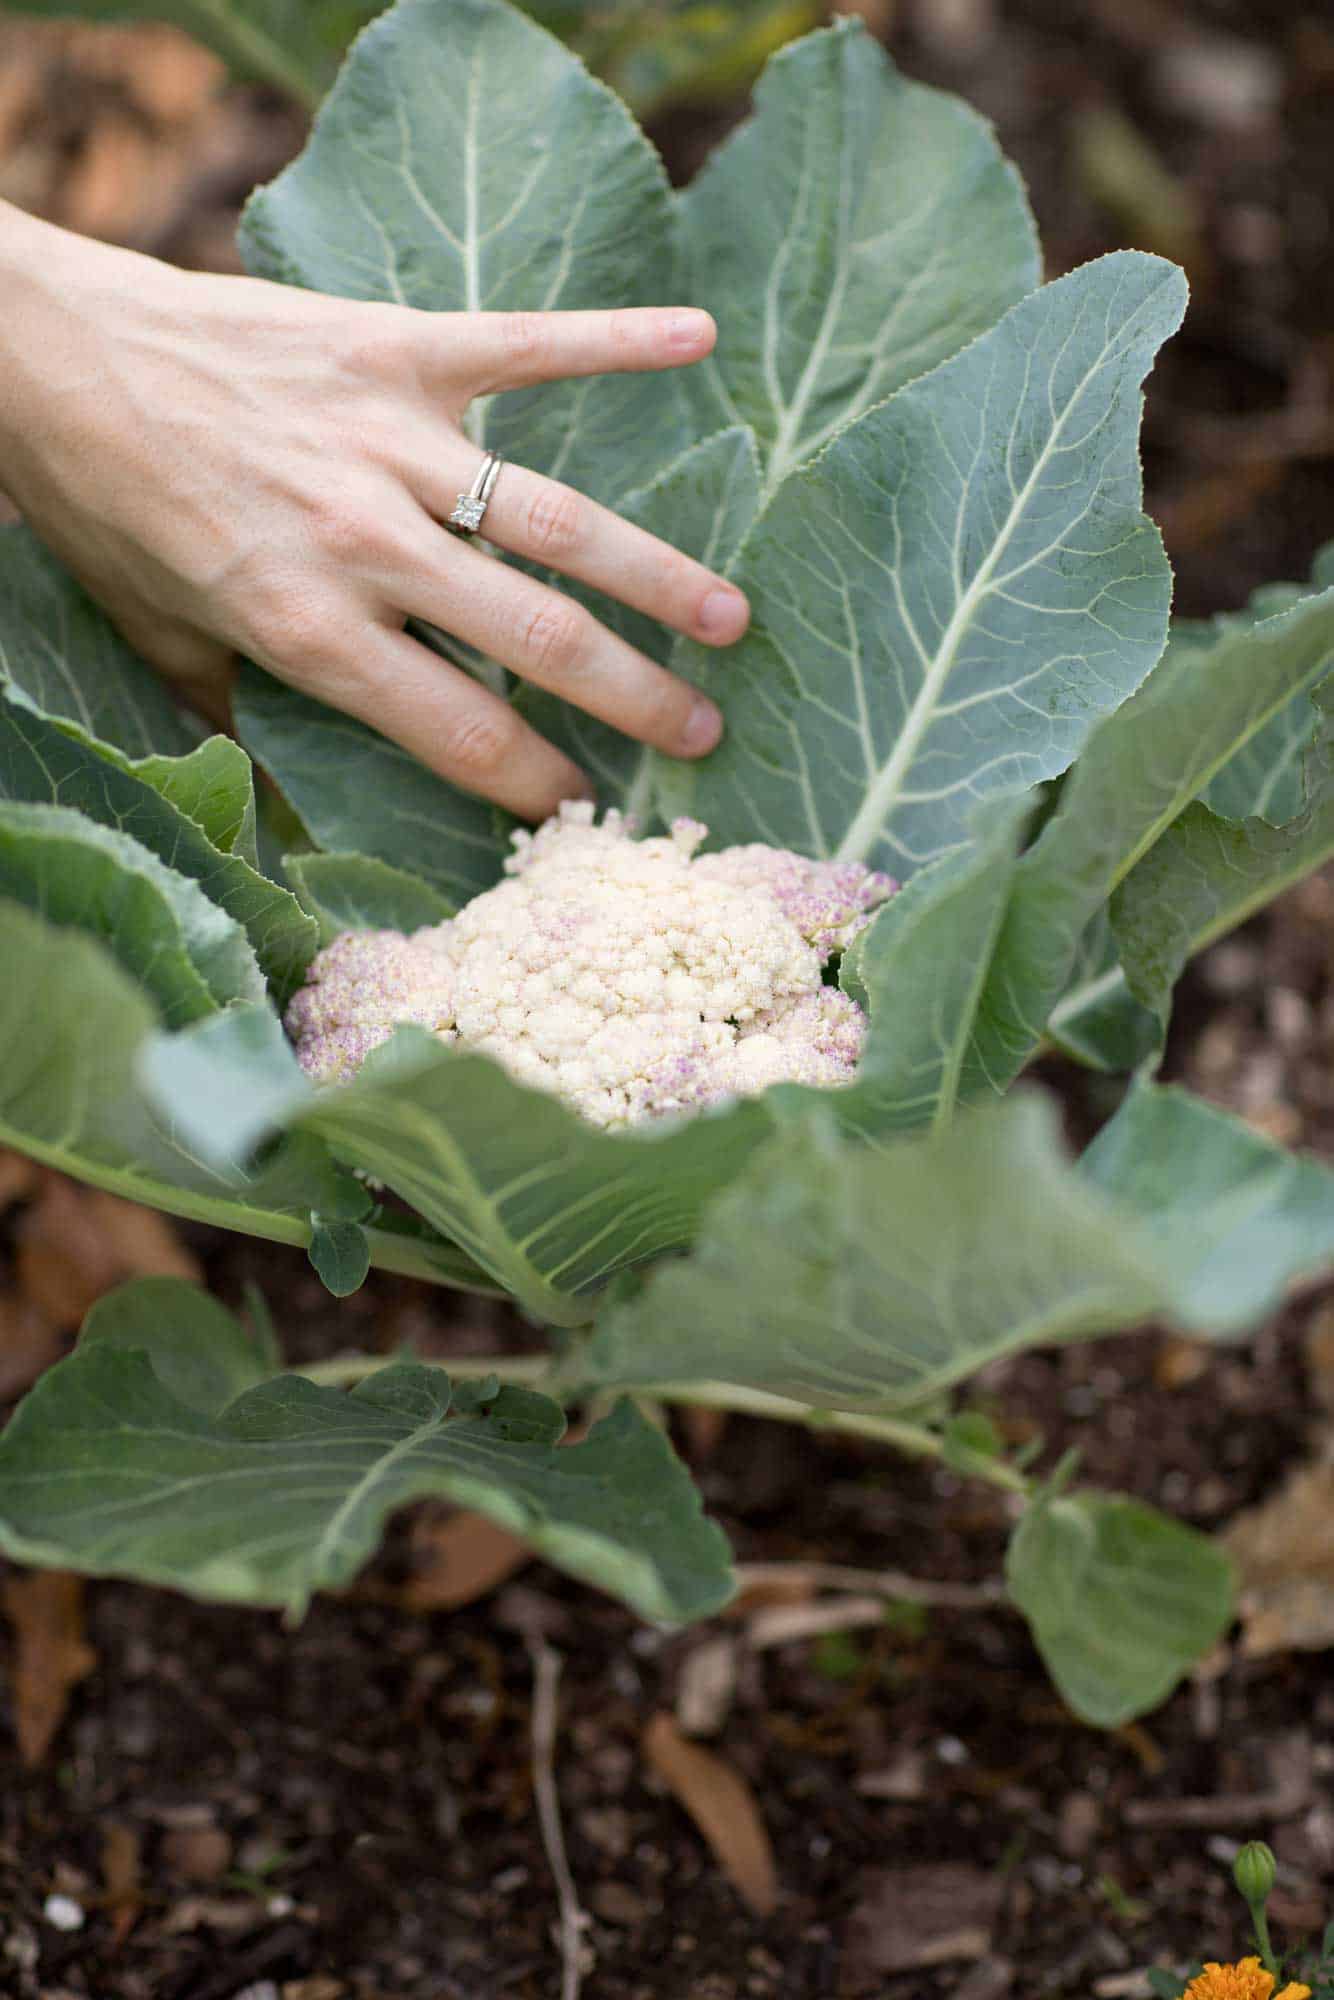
47 323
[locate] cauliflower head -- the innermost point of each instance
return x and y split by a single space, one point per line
632 978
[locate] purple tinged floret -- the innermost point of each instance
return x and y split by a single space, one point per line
633 978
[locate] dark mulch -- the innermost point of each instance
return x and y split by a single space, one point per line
346 1809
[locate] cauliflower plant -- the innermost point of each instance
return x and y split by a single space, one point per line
632 978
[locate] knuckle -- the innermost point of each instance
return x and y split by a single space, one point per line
298 632
376 343
555 521
667 705
554 637
482 740
523 335
286 624
344 532
624 327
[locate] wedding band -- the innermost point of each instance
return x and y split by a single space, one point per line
470 507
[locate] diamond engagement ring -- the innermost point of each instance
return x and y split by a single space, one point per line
470 507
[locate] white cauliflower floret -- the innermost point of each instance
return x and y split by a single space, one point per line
624 975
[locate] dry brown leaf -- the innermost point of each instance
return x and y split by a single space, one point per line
28 1344
723 1807
1284 1552
935 1913
18 1178
144 1241
172 78
462 1559
75 1243
51 1656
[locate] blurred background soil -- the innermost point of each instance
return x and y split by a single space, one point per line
197 1804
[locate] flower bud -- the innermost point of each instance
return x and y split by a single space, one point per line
1253 1871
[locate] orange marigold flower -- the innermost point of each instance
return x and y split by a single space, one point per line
1246 1981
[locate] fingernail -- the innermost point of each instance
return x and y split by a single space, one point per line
723 614
703 728
689 329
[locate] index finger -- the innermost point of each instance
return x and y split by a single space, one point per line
490 351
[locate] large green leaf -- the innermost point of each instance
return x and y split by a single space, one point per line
1122 1601
1231 1219
1208 874
955 591
856 231
466 161
355 791
41 762
855 1278
119 1462
200 1352
63 657
187 952
292 44
549 1205
1190 722
919 969
72 1025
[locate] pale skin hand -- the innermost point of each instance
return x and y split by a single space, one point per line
234 466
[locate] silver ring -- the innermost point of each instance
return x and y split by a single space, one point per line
470 507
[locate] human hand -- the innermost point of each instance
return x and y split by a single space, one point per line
230 465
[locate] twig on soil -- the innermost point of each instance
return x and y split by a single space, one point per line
574 1919
881 1582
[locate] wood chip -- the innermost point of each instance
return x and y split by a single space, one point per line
51 1656
705 1687
122 1887
723 1807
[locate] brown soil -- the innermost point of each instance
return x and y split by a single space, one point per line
347 1809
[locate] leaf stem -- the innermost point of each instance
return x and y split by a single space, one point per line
528 1370
542 1371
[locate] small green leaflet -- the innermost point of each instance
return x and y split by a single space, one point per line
352 892
950 597
124 1461
1122 1601
340 1254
